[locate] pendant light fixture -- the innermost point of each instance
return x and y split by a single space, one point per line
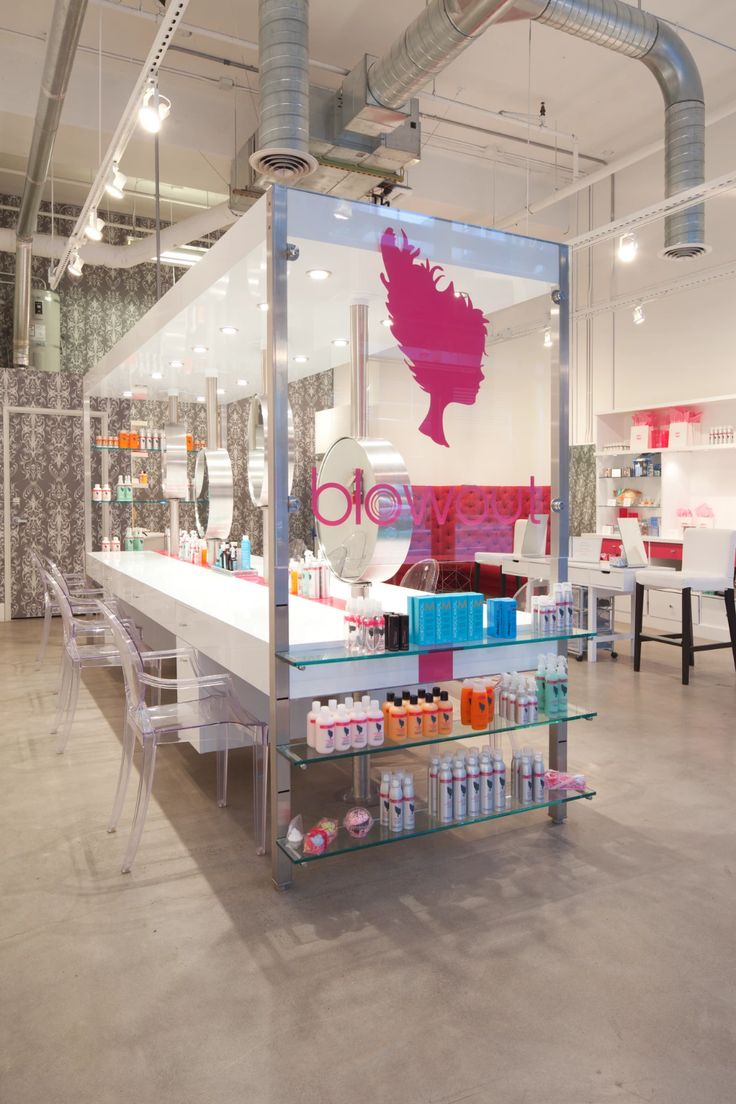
639 315
628 247
94 227
115 186
76 265
154 109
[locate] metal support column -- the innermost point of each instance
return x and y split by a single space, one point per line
213 439
174 524
277 519
560 490
87 460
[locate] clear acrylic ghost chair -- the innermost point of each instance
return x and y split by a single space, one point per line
81 598
422 576
78 656
214 712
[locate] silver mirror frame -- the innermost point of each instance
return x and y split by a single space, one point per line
256 442
217 521
366 552
175 481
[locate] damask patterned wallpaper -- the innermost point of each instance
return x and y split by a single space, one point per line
582 490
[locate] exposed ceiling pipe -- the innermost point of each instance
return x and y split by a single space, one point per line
66 26
598 175
283 59
447 27
142 250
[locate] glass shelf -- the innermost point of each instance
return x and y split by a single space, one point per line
311 655
148 502
302 755
136 451
425 825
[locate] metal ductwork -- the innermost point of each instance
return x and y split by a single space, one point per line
447 27
66 26
283 153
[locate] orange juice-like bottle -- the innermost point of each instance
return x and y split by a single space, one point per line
387 707
446 710
397 723
479 707
430 725
466 698
491 695
414 719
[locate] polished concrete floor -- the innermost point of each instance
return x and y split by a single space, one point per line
516 962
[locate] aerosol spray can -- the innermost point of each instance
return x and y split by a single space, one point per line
526 787
445 785
409 804
432 786
486 784
459 790
499 782
384 797
538 786
396 806
473 775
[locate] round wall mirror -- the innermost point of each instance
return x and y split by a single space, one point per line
257 464
213 493
174 462
363 519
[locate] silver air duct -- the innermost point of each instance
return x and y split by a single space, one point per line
446 27
283 136
61 47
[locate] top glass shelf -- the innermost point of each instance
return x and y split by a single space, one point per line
312 655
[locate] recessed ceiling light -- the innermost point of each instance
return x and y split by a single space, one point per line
319 274
127 394
199 349
242 383
263 306
228 329
339 342
176 363
200 398
156 375
386 322
301 359
220 390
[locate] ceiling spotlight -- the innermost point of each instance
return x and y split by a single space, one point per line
157 375
340 342
319 274
154 109
628 247
76 264
263 306
95 226
228 330
342 211
116 182
386 322
200 398
176 363
242 383
127 394
548 338
200 349
301 359
639 315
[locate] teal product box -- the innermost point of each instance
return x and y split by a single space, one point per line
460 618
444 606
423 620
501 617
475 616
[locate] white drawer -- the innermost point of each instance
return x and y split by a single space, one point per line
667 606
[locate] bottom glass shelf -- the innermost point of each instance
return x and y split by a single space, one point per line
425 825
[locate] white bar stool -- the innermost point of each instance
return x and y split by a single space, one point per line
707 565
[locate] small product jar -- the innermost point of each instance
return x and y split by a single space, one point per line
105 544
123 439
134 440
97 493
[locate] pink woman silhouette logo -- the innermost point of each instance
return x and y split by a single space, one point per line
441 334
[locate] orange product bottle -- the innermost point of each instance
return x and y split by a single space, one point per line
397 723
134 441
491 695
414 719
387 707
445 718
430 725
123 439
190 442
479 707
466 698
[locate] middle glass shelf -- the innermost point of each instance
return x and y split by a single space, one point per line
311 655
300 753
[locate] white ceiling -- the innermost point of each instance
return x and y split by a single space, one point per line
611 104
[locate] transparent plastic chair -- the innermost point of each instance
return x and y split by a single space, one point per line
422 576
215 712
77 656
82 598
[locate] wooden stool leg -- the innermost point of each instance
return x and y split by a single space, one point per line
687 634
638 618
731 615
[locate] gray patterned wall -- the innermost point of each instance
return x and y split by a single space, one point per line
582 490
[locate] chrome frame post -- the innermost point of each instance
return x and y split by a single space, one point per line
213 439
277 520
174 523
87 462
560 490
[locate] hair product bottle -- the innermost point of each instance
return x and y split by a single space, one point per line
499 782
459 790
312 719
445 714
414 719
479 707
466 700
384 798
359 727
432 786
486 784
375 725
446 791
538 778
325 738
396 806
408 799
397 722
343 730
473 772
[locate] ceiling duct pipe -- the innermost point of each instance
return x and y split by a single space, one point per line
283 136
66 26
447 27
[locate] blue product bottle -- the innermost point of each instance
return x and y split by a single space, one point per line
245 553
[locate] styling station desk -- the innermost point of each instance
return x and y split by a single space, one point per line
600 582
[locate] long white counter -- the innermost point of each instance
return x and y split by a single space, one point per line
226 619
